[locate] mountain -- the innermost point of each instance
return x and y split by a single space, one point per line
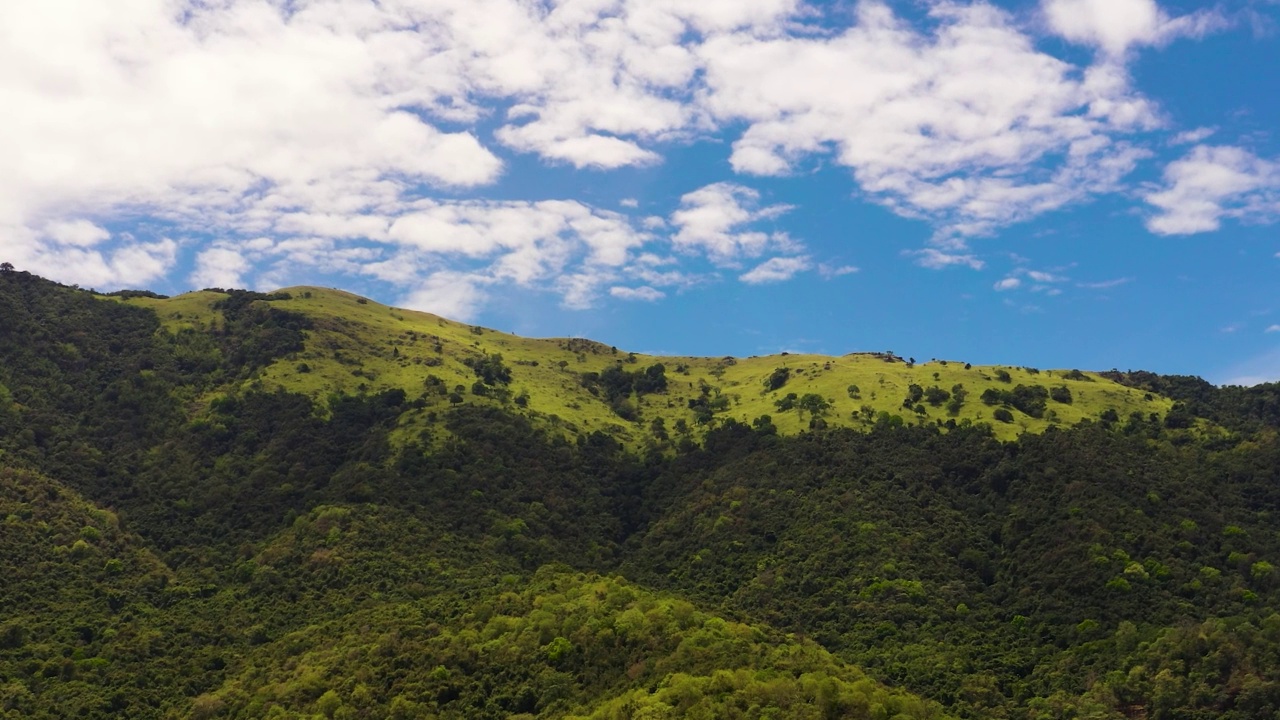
304 504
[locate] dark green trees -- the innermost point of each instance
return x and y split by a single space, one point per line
490 369
777 379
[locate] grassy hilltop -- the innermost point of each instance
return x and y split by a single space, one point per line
356 344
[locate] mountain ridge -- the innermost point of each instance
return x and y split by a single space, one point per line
356 342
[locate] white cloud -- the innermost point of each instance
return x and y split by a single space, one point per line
660 272
919 117
324 134
1041 281
138 263
1211 183
834 271
1045 277
643 293
1273 329
81 233
1114 26
222 267
1105 284
452 295
222 115
82 253
715 219
935 259
775 270
1191 137
558 246
526 242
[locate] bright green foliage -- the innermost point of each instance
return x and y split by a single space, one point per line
561 646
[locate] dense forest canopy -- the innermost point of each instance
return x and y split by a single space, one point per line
242 505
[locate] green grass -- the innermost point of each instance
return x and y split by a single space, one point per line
192 311
360 345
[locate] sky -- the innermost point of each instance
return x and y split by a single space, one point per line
1056 183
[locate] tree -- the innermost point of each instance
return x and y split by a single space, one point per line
652 380
935 396
814 404
958 395
764 425
914 394
777 378
6 268
1002 415
490 369
659 429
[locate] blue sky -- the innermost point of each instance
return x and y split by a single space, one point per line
1054 183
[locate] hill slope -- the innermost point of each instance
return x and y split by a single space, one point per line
582 386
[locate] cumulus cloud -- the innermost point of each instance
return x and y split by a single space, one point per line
81 233
1211 183
715 220
1273 329
347 135
1191 137
222 267
453 295
1114 26
557 246
775 270
84 253
1009 283
529 240
144 104
920 119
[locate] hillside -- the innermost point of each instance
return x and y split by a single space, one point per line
353 344
230 505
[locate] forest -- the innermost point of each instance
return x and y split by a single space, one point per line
185 535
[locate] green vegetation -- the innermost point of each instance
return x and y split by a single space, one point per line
576 386
307 505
